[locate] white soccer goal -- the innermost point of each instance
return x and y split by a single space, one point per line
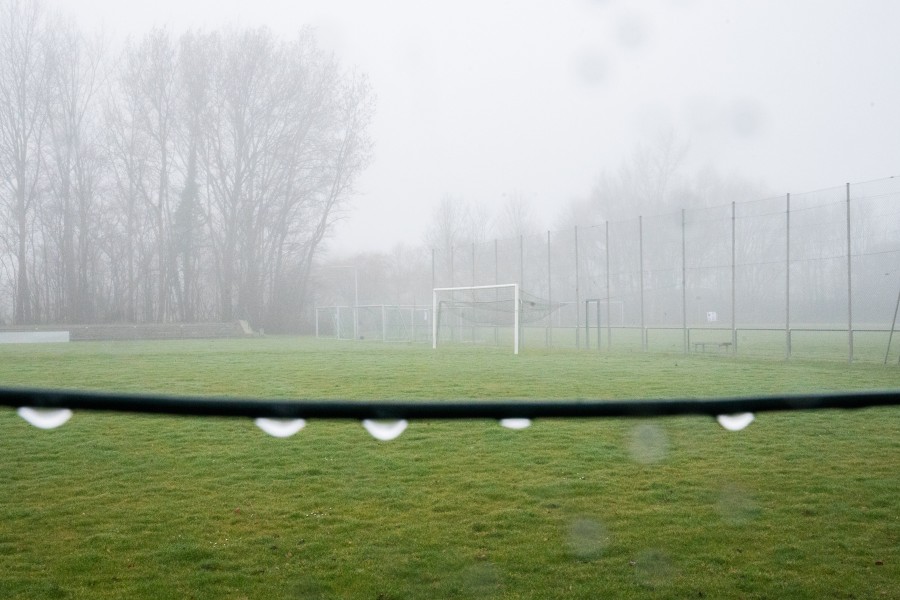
485 314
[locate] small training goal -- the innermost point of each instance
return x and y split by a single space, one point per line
485 314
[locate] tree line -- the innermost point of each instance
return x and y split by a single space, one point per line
184 177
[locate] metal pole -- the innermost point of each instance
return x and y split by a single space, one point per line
496 292
787 281
473 285
452 269
522 261
455 320
587 325
338 328
517 321
433 312
521 333
434 319
849 282
684 329
733 281
549 337
355 304
577 295
641 265
891 334
608 298
496 264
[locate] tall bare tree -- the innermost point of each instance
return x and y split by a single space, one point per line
642 185
129 162
76 167
25 79
287 137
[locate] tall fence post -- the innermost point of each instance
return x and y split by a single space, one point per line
887 351
577 296
497 291
454 326
684 328
849 281
474 283
522 261
641 265
496 264
474 328
733 279
787 280
608 297
521 330
433 307
549 336
452 269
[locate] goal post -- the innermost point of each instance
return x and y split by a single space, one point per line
479 306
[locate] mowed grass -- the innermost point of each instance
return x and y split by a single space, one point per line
798 505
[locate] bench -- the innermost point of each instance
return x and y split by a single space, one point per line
718 346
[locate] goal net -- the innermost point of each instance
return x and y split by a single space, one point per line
380 322
486 314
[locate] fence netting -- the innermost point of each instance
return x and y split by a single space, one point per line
814 275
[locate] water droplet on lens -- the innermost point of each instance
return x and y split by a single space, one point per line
515 423
45 418
481 581
587 538
735 422
736 505
280 428
648 443
653 568
385 430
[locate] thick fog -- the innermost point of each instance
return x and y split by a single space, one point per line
479 101
190 160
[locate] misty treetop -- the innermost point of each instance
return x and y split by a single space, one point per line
189 177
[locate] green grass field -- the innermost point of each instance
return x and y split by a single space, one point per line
798 505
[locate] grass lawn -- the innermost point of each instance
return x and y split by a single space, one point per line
798 505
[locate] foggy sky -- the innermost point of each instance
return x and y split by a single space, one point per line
481 99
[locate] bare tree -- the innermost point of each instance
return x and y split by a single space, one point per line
76 168
157 82
128 154
644 184
204 187
516 217
142 114
286 140
185 259
25 79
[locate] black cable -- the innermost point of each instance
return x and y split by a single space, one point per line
413 409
